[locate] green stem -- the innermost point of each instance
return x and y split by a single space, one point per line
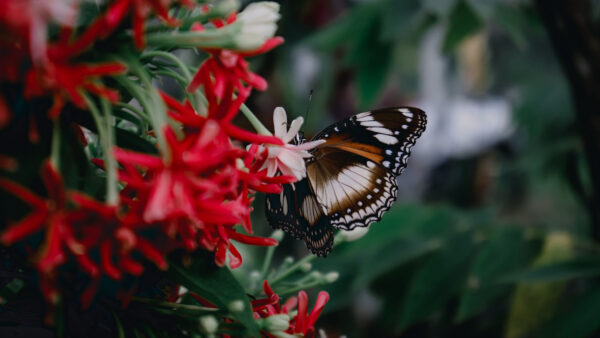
298 265
185 78
102 126
140 114
254 121
156 117
269 255
214 38
173 75
112 192
161 303
169 56
299 287
55 147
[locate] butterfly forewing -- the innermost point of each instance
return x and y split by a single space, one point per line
354 172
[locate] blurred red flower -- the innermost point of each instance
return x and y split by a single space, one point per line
303 322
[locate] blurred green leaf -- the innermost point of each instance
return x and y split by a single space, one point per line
484 8
577 268
338 32
10 290
505 252
88 11
511 20
462 22
373 75
439 7
390 256
400 19
534 304
437 280
581 319
217 285
404 234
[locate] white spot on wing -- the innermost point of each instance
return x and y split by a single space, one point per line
387 139
380 130
370 123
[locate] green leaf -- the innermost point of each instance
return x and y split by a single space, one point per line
129 140
336 33
391 256
120 330
576 268
217 285
439 7
371 56
581 319
11 290
463 21
400 19
88 11
511 20
504 253
372 75
405 234
438 279
535 304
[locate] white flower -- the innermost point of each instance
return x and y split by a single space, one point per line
258 24
354 234
289 158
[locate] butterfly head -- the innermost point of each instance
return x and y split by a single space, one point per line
299 138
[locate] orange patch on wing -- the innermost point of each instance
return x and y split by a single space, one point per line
367 151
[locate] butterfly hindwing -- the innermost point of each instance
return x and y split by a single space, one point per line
297 212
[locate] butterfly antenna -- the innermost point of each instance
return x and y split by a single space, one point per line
308 106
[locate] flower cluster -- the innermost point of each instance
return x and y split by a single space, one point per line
277 319
194 190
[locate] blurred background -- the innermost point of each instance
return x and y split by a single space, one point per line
493 233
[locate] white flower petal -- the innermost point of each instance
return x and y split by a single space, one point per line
294 129
271 167
309 145
280 122
257 24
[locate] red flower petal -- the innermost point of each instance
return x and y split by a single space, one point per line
301 316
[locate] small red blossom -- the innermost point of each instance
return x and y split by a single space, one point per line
48 216
303 322
63 82
29 19
229 66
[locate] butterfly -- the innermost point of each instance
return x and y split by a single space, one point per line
350 179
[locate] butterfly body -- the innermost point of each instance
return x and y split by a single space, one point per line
351 178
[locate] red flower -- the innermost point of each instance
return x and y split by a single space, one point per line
198 194
106 23
98 226
29 19
226 72
303 323
229 68
64 82
50 217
